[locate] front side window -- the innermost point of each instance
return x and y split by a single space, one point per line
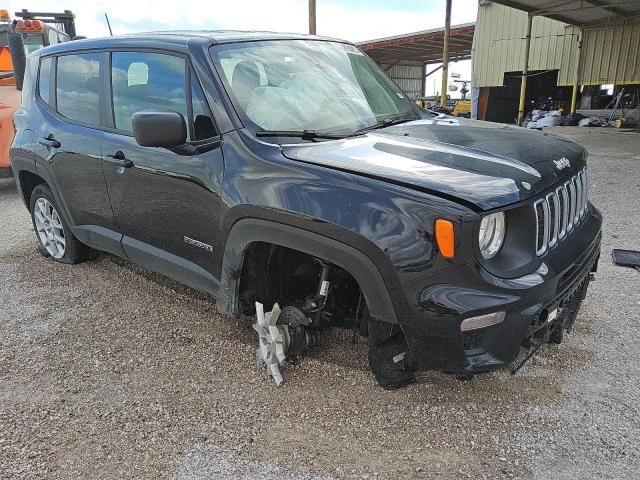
297 85
78 87
44 79
146 81
203 127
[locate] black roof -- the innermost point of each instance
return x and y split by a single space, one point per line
178 38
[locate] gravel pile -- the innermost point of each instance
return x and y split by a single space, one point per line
110 371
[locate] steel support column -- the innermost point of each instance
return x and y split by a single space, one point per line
312 17
525 71
576 76
445 55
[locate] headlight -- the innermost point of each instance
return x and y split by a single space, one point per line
492 230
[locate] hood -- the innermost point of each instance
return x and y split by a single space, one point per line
486 164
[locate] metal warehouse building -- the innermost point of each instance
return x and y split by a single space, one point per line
573 45
405 57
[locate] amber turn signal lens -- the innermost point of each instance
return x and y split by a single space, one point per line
445 236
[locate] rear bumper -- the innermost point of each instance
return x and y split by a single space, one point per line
440 303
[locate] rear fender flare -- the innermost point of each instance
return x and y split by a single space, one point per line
21 164
249 230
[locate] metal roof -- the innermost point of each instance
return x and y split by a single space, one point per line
424 46
581 12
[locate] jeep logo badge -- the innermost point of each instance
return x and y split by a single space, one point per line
562 163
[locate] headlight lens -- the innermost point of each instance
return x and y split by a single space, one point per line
492 230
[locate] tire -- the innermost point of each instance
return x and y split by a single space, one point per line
53 234
389 356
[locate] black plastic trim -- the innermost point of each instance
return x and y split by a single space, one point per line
100 238
172 266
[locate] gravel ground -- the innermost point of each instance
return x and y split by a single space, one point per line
109 371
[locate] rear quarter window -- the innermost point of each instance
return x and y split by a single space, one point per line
44 80
77 87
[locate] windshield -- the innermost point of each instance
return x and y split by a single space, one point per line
300 85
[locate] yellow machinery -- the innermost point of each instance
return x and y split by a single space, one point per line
462 109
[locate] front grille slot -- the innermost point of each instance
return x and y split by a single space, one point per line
571 190
542 214
563 211
552 201
560 211
578 187
585 192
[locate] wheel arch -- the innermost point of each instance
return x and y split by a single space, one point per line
247 231
28 183
29 174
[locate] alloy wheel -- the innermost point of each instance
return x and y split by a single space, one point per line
49 228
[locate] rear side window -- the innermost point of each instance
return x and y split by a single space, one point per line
146 81
77 87
44 79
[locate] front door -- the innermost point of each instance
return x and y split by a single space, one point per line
167 204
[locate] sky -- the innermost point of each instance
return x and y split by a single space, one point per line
353 20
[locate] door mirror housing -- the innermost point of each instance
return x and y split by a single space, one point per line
159 129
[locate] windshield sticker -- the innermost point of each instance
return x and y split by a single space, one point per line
351 49
400 95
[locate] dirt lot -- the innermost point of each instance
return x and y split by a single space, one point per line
112 372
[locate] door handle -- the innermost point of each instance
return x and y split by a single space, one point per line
119 159
49 141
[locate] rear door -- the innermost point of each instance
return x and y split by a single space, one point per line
68 143
167 204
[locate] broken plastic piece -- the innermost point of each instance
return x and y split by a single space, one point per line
273 341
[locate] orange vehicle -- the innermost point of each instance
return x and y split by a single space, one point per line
18 38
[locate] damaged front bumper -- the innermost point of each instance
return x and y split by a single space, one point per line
541 304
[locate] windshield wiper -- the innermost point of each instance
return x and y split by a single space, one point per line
303 134
314 134
387 122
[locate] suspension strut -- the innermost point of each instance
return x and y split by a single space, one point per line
323 292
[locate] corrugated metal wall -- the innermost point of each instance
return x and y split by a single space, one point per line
611 56
408 77
608 56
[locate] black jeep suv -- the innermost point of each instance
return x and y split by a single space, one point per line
289 172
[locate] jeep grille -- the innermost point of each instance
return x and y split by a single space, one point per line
560 211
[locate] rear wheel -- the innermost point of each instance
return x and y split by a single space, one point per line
55 239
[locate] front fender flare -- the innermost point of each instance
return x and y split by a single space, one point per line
249 230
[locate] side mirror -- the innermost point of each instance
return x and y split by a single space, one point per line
159 129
